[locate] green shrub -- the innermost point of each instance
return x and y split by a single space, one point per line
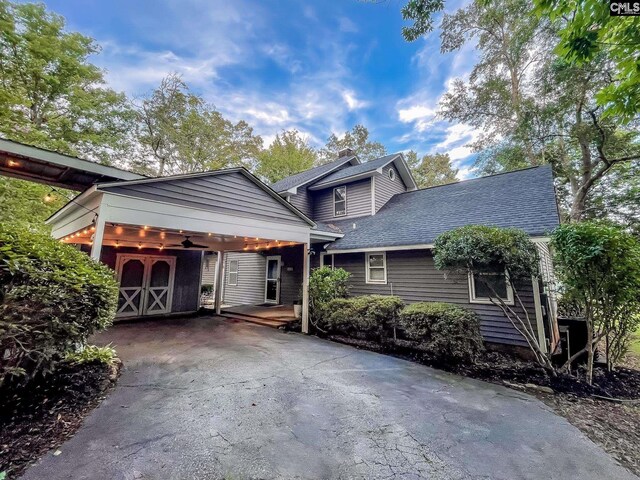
369 316
325 284
52 297
93 353
447 333
598 266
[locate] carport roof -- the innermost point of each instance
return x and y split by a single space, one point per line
51 168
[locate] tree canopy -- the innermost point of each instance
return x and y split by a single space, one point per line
180 133
290 153
357 139
51 96
535 107
432 169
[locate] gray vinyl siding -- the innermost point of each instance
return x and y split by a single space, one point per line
251 279
385 188
209 269
412 276
303 201
358 201
231 194
186 293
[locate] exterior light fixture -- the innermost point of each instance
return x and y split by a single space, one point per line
49 197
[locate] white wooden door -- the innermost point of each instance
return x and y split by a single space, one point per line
272 280
146 284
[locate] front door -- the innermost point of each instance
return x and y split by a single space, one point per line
146 284
272 287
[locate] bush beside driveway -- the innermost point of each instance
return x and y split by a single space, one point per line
207 398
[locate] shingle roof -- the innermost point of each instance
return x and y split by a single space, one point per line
523 199
308 175
327 227
356 169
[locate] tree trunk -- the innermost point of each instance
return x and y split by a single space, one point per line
589 346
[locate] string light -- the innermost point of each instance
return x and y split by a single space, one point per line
119 230
139 245
49 197
117 243
13 163
161 247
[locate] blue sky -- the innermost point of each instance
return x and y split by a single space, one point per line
318 66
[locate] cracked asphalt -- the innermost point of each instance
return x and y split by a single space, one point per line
206 398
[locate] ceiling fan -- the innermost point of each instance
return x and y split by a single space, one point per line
186 243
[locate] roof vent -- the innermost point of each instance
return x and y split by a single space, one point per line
345 152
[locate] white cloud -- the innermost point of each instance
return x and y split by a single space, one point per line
353 103
346 25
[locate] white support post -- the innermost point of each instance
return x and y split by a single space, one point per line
218 280
98 235
305 288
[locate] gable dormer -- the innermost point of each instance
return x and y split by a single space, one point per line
359 190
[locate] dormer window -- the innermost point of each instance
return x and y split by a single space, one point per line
340 201
392 174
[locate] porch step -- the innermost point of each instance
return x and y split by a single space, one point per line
269 322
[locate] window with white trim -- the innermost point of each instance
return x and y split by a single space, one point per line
326 259
392 174
376 267
233 272
340 201
483 285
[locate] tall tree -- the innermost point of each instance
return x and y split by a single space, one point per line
432 169
180 133
586 29
51 96
533 107
357 140
290 153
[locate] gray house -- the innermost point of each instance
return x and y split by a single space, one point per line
369 218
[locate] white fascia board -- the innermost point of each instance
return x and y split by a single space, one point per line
405 172
71 204
424 246
318 235
136 211
342 181
76 217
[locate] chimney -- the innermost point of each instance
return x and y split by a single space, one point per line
346 152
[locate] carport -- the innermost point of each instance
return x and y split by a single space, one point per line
154 232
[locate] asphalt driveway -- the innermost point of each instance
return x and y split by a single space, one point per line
208 398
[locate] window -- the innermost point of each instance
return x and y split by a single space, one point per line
340 201
376 267
479 291
392 174
326 259
233 272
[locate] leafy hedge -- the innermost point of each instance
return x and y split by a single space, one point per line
447 333
369 316
325 284
52 297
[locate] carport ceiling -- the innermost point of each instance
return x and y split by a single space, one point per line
144 236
